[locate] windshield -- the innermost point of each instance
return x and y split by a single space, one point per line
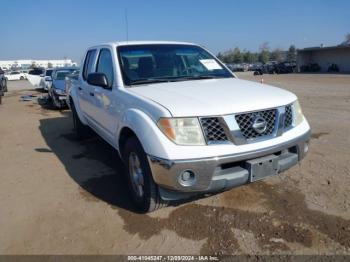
142 64
60 75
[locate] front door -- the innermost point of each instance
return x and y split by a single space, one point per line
105 111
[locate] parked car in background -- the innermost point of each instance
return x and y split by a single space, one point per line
270 67
286 67
25 73
14 75
236 67
36 71
310 68
46 80
56 91
273 67
3 81
261 69
183 124
256 66
34 76
333 68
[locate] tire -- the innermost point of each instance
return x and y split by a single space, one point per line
81 131
150 199
21 78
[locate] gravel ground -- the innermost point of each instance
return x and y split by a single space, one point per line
61 196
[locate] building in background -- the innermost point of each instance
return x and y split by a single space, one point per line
25 64
324 59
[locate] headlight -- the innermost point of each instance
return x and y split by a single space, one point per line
182 131
298 113
59 91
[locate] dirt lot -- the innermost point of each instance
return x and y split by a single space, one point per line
61 196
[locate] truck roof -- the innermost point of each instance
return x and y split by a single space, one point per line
123 43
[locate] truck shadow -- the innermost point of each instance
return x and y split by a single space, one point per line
93 164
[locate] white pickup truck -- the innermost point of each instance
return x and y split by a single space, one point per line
182 122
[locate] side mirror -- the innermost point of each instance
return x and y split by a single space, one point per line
98 79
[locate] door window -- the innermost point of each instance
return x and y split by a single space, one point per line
89 63
105 65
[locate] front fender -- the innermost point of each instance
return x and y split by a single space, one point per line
154 142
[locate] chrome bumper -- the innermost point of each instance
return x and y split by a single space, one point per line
223 172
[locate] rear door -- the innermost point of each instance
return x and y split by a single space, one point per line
85 91
106 111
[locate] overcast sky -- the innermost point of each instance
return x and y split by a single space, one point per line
55 29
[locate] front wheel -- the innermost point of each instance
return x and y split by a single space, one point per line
144 191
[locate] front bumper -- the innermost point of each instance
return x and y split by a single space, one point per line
60 96
223 172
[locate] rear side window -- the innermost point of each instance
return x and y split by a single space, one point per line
105 65
89 62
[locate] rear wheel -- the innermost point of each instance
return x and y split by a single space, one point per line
144 191
82 131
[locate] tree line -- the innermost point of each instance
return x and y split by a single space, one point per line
264 55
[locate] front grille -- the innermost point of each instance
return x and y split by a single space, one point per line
245 122
288 119
213 130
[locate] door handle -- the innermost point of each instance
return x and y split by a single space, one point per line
92 94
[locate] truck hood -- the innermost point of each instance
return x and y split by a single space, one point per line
58 84
214 96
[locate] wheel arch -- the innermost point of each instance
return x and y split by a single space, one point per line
125 134
137 123
74 100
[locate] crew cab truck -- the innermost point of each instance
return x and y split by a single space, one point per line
183 123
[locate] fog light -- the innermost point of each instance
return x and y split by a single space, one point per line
187 178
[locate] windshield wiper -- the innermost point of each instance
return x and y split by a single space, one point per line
199 77
176 79
149 81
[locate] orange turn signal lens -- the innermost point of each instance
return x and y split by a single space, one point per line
165 125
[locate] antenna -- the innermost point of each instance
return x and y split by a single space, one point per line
126 24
